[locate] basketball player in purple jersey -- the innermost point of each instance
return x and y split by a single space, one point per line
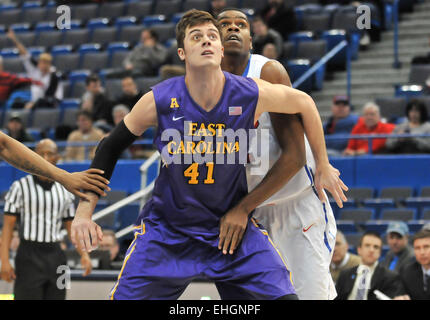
177 233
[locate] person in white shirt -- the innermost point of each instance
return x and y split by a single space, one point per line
50 91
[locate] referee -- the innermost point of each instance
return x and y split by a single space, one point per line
40 205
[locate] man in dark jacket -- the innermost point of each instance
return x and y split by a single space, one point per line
280 17
416 275
361 282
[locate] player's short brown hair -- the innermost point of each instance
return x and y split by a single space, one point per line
193 18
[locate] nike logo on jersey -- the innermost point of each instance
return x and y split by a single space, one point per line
176 119
306 229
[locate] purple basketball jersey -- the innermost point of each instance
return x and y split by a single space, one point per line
192 197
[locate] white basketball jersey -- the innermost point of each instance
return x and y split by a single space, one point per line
303 180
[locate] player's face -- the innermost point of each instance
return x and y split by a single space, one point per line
370 250
202 46
236 33
422 251
396 241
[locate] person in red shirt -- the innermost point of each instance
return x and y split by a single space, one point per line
369 123
9 82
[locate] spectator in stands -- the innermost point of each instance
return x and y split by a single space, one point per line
169 71
86 132
342 259
341 122
400 252
369 123
10 82
97 102
110 243
15 129
279 17
130 93
217 6
50 92
262 35
118 114
416 123
360 282
148 56
416 275
426 227
270 51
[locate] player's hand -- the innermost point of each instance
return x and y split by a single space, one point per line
86 264
86 234
89 180
327 177
7 272
232 227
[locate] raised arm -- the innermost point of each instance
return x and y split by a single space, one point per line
21 157
85 233
282 99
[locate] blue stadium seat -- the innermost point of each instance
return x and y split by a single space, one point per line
378 204
9 52
298 37
35 51
176 17
34 15
78 75
295 69
45 26
418 203
333 38
95 23
378 226
154 19
128 215
125 21
346 226
139 9
112 9
89 47
70 103
358 215
408 91
398 214
416 225
31 4
61 49
20 27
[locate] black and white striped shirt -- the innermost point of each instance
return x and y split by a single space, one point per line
41 208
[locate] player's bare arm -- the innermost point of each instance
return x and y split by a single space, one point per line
85 257
21 157
85 233
289 132
282 99
7 271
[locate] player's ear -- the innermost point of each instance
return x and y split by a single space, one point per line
181 54
222 52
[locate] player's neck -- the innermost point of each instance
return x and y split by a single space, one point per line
205 86
235 63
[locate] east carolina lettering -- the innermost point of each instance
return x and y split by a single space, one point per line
207 147
211 130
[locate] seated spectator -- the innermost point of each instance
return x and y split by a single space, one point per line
360 282
50 92
342 259
370 123
340 122
415 276
86 132
270 51
97 103
148 56
110 243
216 7
118 114
416 123
264 35
169 71
279 17
130 92
16 129
10 82
400 252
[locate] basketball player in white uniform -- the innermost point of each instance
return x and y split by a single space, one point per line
300 224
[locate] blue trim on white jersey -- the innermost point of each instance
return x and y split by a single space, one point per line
245 73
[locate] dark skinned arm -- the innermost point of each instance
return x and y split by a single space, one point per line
290 135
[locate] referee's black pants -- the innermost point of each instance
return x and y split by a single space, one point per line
36 271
